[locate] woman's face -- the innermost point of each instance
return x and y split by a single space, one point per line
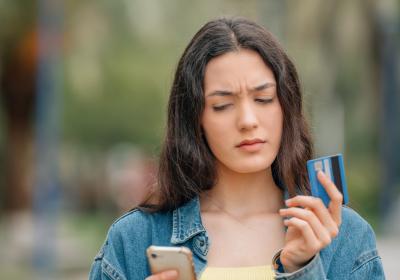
242 118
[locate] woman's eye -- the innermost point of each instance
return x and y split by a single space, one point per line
264 100
220 107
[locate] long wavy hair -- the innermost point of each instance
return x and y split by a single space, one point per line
186 164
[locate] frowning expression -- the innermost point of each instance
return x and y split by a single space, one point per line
242 119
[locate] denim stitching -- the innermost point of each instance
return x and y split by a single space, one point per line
126 214
180 234
174 226
303 270
100 254
200 244
110 271
365 258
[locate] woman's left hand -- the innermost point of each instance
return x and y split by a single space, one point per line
311 227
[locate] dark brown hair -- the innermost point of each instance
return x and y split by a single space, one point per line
187 166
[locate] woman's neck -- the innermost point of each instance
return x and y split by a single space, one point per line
243 194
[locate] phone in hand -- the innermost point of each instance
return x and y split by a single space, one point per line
333 167
163 258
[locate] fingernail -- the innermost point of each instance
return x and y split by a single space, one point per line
288 201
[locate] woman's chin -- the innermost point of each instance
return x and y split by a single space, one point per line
250 167
251 170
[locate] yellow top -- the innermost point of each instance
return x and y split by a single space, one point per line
264 272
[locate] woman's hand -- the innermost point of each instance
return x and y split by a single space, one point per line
165 275
311 227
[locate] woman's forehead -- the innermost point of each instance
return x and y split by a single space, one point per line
245 67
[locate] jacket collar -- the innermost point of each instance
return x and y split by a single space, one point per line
186 222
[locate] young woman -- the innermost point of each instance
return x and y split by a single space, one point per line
235 150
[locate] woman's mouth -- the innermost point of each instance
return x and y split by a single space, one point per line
252 145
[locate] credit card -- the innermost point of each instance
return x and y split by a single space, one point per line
333 167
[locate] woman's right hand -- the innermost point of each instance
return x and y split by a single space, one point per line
165 275
312 226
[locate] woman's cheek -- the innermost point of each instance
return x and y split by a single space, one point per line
218 145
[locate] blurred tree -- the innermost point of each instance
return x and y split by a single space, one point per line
17 92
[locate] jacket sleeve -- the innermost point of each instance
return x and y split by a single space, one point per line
368 264
108 264
95 271
313 270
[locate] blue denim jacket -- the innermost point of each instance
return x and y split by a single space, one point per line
351 255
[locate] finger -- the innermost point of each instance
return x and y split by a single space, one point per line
165 275
318 207
306 231
307 215
335 206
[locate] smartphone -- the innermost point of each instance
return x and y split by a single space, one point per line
333 167
164 258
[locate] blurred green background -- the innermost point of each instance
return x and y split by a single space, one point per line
84 86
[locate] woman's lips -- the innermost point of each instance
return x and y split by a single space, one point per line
251 145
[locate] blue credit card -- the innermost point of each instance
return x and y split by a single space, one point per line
333 167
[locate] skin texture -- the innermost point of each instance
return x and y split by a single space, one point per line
241 103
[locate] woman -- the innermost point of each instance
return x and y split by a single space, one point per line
236 147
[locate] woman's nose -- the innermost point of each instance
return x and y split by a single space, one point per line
246 118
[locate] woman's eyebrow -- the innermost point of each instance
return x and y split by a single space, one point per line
220 93
229 93
263 86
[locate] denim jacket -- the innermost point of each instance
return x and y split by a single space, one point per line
351 255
